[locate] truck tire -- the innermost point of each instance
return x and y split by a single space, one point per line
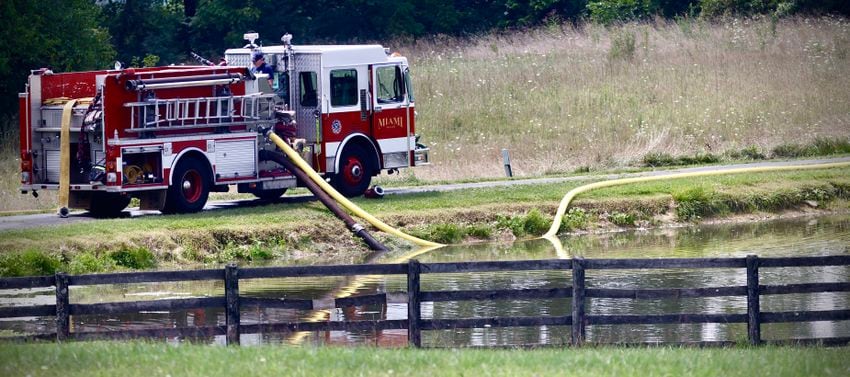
190 187
355 171
269 195
107 205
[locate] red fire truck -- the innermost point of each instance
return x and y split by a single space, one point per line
171 135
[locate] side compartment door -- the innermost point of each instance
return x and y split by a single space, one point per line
390 116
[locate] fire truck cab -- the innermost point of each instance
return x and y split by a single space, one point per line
171 135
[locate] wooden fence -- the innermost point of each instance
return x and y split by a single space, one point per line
578 320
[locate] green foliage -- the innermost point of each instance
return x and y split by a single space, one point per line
657 159
607 12
819 147
447 233
479 231
28 263
753 153
452 233
61 34
535 223
576 218
699 158
532 223
136 258
88 262
622 219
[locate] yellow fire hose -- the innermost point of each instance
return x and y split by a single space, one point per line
296 158
65 151
565 202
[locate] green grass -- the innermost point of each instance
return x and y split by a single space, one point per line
157 359
307 233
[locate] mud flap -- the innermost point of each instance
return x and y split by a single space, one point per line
152 200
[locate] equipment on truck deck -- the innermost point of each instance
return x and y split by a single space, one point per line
171 135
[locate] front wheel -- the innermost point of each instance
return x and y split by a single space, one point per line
190 187
355 172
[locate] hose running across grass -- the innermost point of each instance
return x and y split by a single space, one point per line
377 223
565 202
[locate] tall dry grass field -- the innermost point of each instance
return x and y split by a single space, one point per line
560 98
10 175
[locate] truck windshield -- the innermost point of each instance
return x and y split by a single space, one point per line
409 83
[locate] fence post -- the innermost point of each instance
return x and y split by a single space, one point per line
231 294
414 310
63 314
753 301
577 330
506 158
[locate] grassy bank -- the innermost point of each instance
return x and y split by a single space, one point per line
562 98
147 359
306 233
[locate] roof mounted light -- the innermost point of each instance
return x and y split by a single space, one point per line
251 38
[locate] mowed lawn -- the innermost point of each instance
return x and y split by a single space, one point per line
158 359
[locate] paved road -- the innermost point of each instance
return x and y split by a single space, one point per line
36 220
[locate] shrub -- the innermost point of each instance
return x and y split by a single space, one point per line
535 223
446 233
88 262
622 219
575 218
513 223
257 251
825 146
699 158
752 152
479 231
134 258
791 150
28 263
658 159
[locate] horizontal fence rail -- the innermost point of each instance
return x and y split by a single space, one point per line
578 319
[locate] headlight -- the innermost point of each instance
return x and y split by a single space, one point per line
25 177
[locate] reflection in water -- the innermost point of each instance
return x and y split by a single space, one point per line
796 237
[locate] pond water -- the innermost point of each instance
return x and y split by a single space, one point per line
810 236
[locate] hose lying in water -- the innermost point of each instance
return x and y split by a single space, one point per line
352 225
301 164
565 202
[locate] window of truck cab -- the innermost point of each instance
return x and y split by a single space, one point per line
344 87
308 90
391 85
408 84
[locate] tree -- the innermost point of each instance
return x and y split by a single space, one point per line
61 34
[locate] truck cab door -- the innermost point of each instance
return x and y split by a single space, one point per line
391 125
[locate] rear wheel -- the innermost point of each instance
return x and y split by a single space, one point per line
190 187
355 171
106 205
269 195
